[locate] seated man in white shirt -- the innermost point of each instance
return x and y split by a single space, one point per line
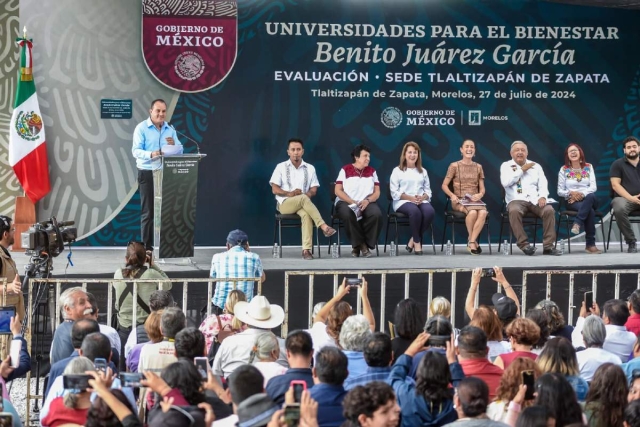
526 190
294 183
619 341
593 336
235 350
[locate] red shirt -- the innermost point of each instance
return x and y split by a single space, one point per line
633 324
508 358
486 371
59 414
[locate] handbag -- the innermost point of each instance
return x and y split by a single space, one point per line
223 333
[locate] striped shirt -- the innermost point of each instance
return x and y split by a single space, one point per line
372 374
236 262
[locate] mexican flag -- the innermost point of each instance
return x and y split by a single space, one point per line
27 148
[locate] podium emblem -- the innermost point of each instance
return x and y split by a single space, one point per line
189 45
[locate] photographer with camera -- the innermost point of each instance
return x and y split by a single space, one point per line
9 271
136 261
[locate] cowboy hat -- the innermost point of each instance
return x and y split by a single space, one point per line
259 313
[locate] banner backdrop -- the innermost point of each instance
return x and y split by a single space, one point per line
337 74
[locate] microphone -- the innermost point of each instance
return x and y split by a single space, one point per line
188 138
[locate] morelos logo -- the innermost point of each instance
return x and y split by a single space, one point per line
28 125
190 45
391 117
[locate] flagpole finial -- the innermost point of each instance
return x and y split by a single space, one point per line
24 31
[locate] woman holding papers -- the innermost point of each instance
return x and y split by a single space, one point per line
577 184
464 184
411 194
357 189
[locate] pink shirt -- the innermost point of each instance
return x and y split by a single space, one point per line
633 324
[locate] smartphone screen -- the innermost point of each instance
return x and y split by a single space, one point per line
292 414
588 300
354 282
298 388
202 363
76 382
529 380
100 365
6 313
131 379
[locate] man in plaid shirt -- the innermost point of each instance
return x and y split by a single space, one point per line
237 261
378 354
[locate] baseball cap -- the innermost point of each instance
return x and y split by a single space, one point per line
506 308
237 237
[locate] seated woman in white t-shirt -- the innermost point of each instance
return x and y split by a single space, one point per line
357 189
328 323
411 193
264 355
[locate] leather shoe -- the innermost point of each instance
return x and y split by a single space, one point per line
592 250
551 251
632 248
364 251
306 254
329 232
529 250
355 252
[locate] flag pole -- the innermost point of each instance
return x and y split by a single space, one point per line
25 209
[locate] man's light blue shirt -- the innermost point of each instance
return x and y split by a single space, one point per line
146 139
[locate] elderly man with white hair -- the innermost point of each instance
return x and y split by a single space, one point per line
73 304
353 336
527 190
593 335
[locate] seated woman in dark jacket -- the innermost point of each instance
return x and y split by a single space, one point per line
428 402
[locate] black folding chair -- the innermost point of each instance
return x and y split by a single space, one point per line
567 216
402 220
290 221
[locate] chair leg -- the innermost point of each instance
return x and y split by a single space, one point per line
500 236
444 232
488 235
568 234
433 240
555 246
386 235
280 240
610 226
453 237
318 242
604 245
396 235
275 231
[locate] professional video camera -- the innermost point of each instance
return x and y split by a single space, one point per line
48 237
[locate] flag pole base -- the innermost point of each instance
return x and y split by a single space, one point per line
24 217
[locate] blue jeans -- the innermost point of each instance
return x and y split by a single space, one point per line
586 217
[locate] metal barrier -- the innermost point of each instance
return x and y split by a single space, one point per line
109 282
594 283
383 285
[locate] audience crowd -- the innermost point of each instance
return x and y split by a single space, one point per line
503 368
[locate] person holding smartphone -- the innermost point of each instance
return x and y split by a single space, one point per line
522 371
8 268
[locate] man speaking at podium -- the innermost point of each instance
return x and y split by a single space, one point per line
149 138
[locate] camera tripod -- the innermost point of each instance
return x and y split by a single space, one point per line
42 309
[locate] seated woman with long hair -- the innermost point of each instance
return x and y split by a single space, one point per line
411 193
428 401
555 393
577 184
408 323
607 397
212 325
487 320
559 356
